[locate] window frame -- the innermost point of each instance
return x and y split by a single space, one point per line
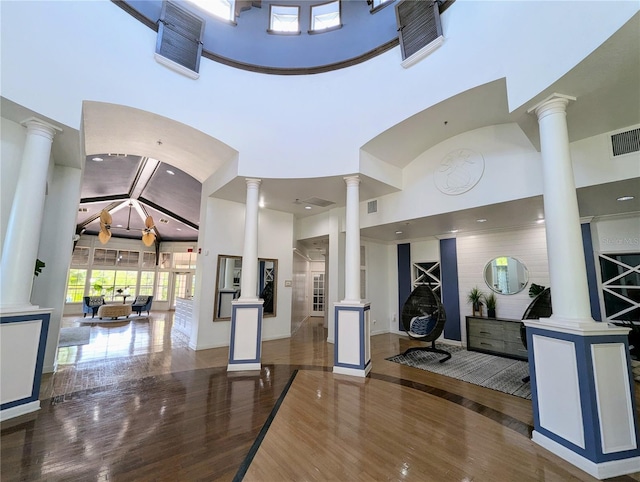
272 31
376 8
313 31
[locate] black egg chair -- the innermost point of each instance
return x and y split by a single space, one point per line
540 307
423 318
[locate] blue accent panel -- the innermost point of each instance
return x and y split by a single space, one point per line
588 402
42 345
261 276
404 278
363 363
592 280
450 292
232 359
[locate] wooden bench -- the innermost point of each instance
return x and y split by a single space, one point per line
114 311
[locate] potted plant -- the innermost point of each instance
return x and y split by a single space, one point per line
475 297
491 300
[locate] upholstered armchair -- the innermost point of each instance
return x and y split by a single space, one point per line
142 303
90 304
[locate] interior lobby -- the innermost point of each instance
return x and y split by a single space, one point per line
301 160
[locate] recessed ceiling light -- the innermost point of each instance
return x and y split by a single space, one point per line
398 232
97 159
169 171
540 221
118 225
454 230
178 229
481 220
625 198
307 207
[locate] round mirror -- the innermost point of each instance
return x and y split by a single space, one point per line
506 275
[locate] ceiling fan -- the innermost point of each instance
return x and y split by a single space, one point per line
148 235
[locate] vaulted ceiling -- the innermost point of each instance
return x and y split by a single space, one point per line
132 188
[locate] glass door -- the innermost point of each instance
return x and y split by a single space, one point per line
183 283
317 299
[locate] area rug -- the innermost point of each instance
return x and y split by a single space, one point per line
77 335
497 373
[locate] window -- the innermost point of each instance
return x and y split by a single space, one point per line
107 282
162 290
80 256
223 9
128 258
184 260
105 257
165 260
75 287
284 19
325 17
146 283
148 259
377 4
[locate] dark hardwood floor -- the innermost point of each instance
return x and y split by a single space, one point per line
137 404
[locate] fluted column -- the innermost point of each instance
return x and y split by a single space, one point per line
20 248
352 245
567 268
249 280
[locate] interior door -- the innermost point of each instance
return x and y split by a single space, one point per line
317 293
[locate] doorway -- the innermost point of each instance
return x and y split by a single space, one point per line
317 293
183 287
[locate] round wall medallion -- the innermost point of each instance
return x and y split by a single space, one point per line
459 171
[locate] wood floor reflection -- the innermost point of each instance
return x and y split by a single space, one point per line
138 404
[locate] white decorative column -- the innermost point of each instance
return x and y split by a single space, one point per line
23 326
246 312
20 248
581 381
352 345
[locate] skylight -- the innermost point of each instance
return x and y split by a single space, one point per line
284 19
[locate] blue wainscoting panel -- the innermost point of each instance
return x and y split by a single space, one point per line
404 278
450 293
592 280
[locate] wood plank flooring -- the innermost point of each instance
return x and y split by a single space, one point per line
138 404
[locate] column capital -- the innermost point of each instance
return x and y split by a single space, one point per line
352 180
40 127
251 182
554 104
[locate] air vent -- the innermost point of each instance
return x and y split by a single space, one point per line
164 221
82 210
323 203
625 142
372 207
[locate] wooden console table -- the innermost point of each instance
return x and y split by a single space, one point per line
497 336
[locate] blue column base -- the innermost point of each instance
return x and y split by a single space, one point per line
352 347
582 394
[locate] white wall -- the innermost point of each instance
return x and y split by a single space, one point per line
528 245
378 286
12 139
223 234
55 249
76 39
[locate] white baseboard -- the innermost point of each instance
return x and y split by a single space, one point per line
603 470
18 410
